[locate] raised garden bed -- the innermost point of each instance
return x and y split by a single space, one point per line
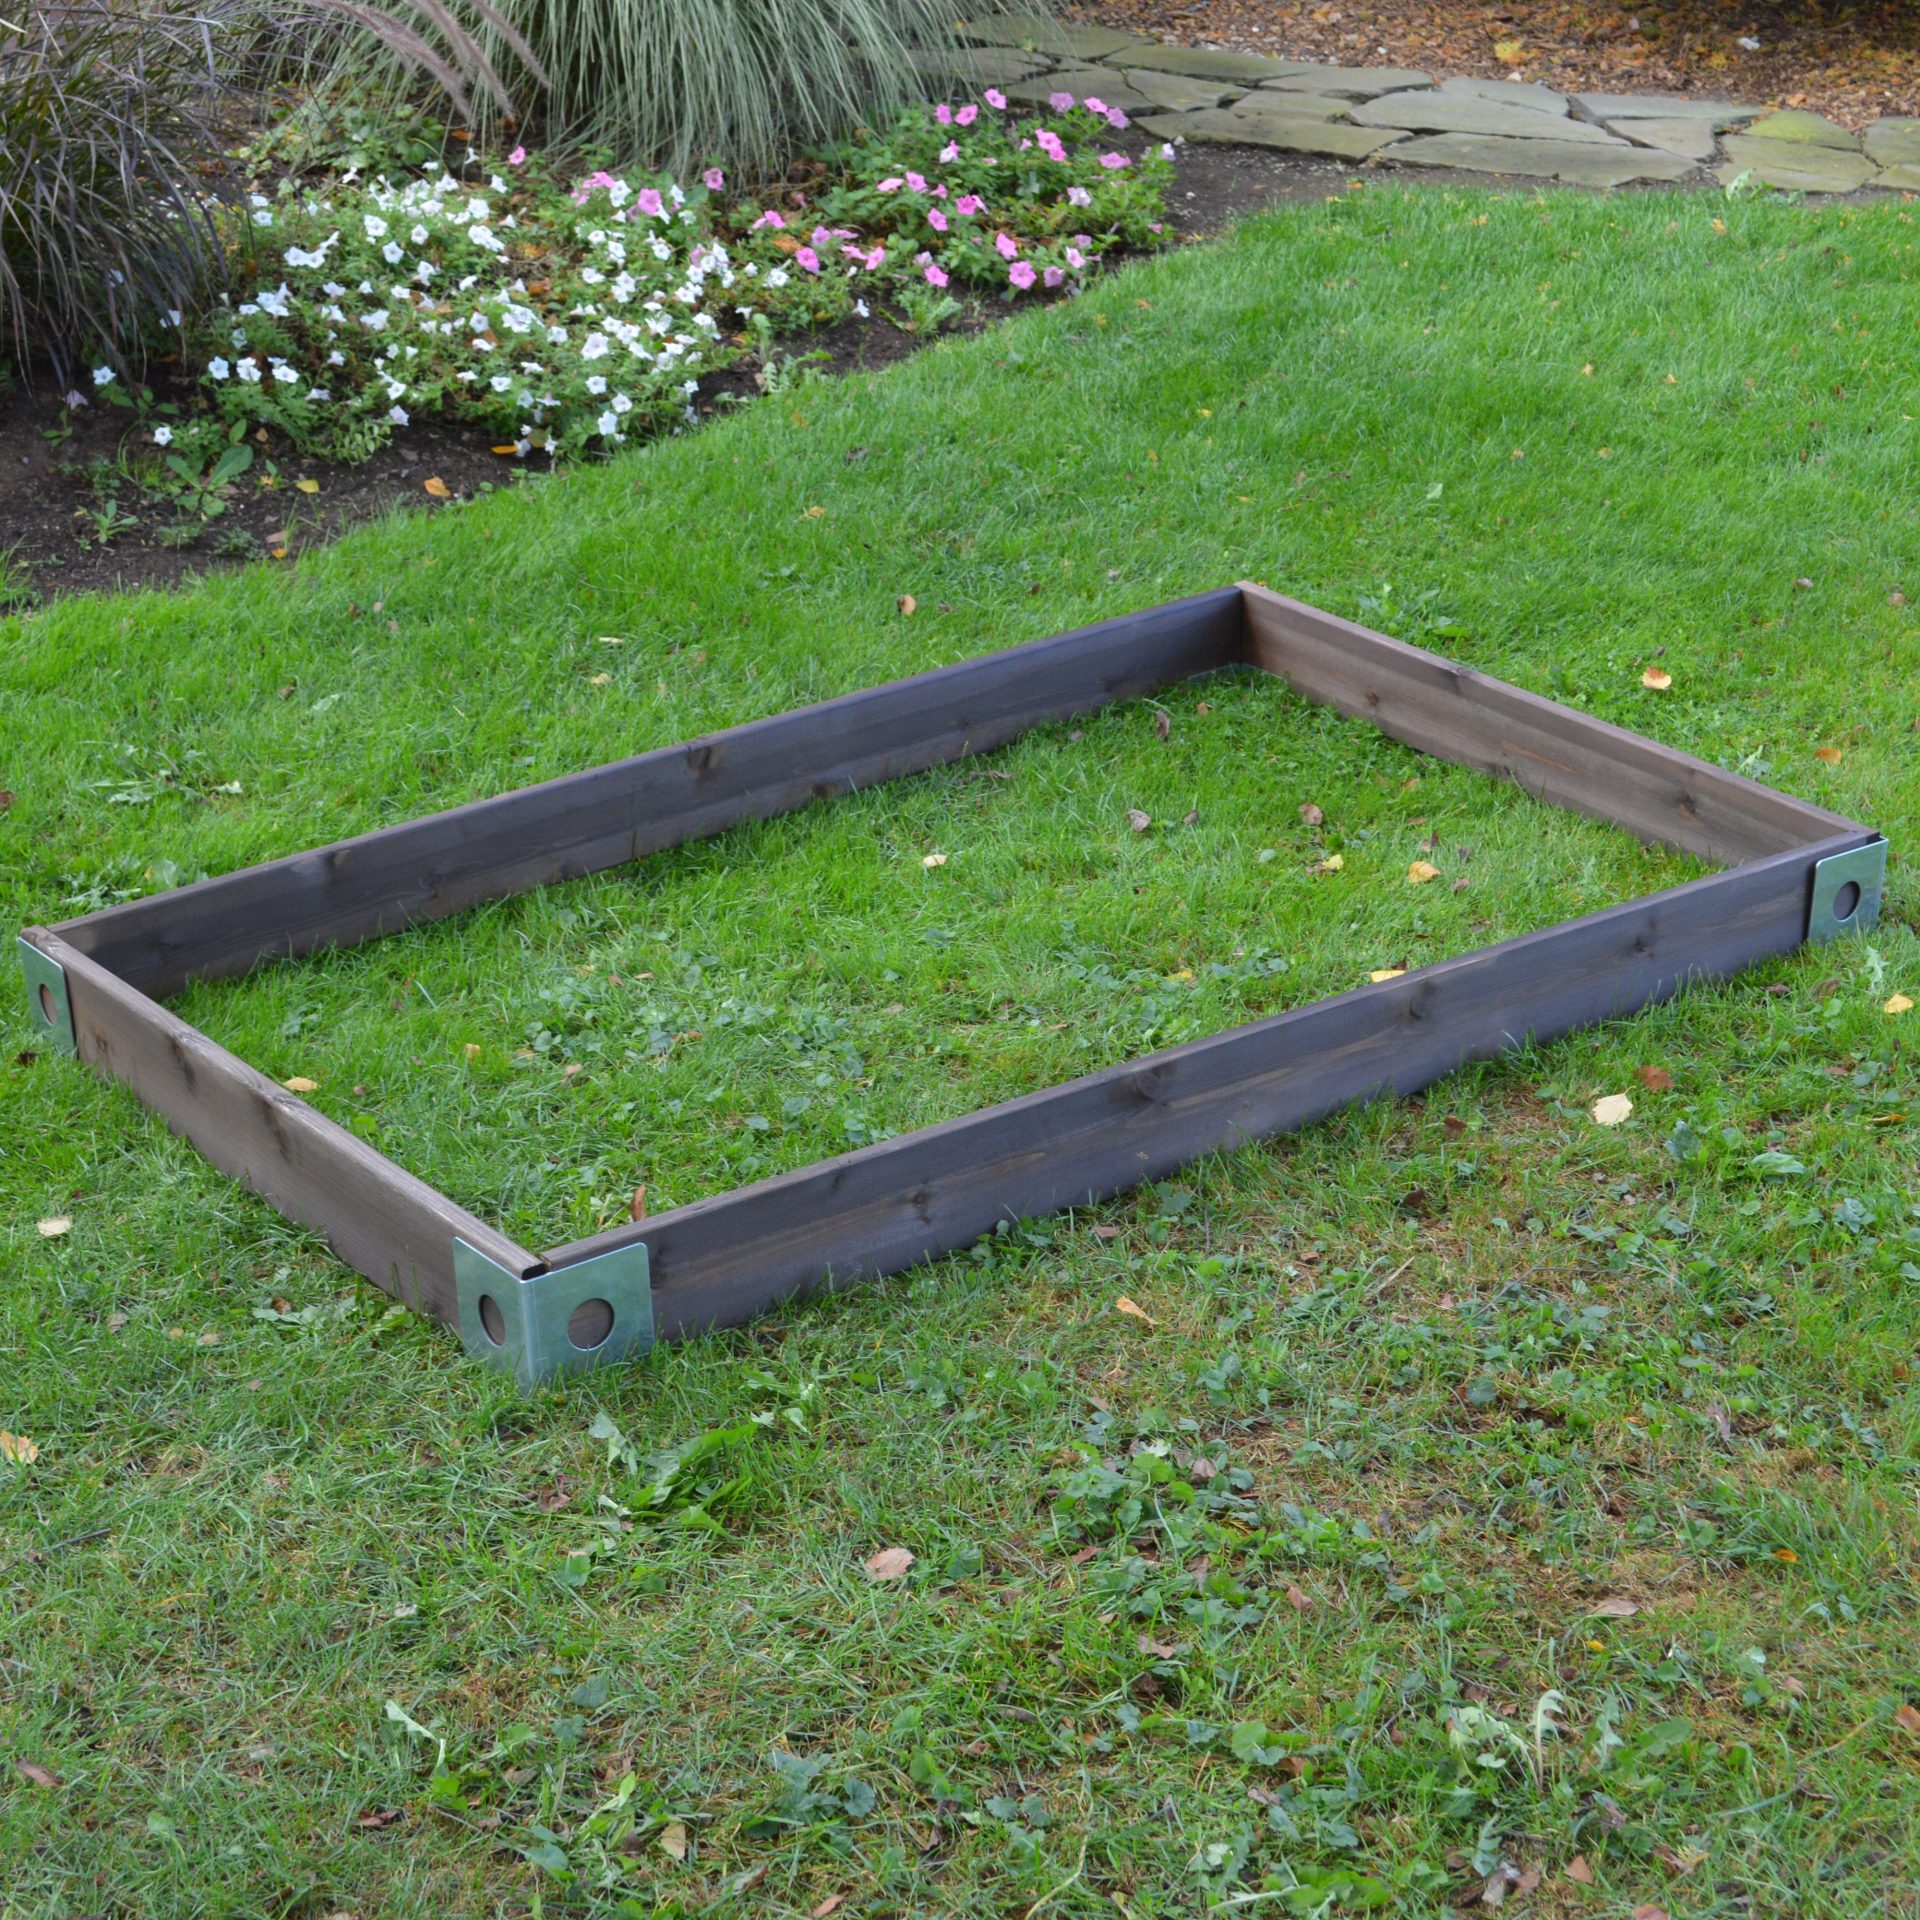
1796 872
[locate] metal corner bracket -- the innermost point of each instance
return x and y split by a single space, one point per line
48 1004
559 1321
1846 891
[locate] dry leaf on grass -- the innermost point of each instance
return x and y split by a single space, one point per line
1611 1109
1654 1079
308 486
437 487
18 1448
1897 1003
1616 1606
906 603
37 1773
1906 1717
673 1840
54 1228
1650 1913
1579 1872
932 860
299 1083
1312 815
1298 1599
1134 1311
1831 755
890 1563
1138 821
1385 973
1163 723
831 1904
599 679
1657 678
1333 863
637 1206
1421 871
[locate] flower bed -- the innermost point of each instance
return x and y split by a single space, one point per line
568 316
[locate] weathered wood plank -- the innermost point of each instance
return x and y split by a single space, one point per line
718 1262
428 868
1557 753
379 1219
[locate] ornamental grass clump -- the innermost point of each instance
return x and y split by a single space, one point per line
565 315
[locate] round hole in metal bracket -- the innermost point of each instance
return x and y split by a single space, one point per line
1846 902
589 1324
49 1012
493 1320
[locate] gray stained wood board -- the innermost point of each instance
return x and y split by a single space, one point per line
377 1217
586 822
719 1262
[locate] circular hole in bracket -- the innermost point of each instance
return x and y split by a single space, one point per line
589 1324
49 1008
1846 902
493 1320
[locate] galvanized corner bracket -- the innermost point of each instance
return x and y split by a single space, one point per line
48 1004
564 1320
1846 892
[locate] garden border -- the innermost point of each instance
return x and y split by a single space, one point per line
95 983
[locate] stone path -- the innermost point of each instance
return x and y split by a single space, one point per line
1387 114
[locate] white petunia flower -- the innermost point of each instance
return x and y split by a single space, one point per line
163 436
218 368
103 376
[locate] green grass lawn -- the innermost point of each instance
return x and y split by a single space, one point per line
1482 1486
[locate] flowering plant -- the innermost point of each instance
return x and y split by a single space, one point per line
566 316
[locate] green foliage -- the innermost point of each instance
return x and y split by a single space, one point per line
743 81
564 314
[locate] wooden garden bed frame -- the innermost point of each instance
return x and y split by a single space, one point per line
1794 872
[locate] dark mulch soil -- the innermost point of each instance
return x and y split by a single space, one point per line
1853 60
57 467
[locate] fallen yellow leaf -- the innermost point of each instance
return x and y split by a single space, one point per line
504 451
1611 1109
816 513
906 603
437 487
1657 679
600 680
673 1840
1831 755
54 1228
1134 1311
300 1084
471 1050
18 1448
1333 863
1385 973
932 860
890 1563
308 486
1897 1003
1421 872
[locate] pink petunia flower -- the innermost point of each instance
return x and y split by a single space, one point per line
768 219
916 183
714 178
1021 275
950 153
936 275
1095 105
518 157
1117 120
969 204
1079 197
649 202
1076 259
807 258
1060 102
1005 245
1054 276
968 114
1049 144
995 99
936 220
944 114
891 184
1113 162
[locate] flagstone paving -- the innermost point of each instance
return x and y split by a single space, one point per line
1391 116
